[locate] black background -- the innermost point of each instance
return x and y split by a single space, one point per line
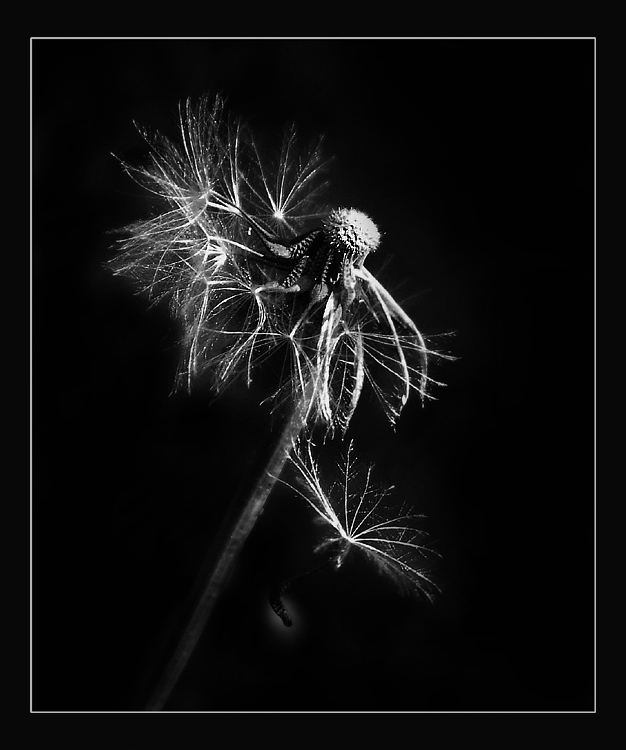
476 160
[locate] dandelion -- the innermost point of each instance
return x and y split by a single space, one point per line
255 264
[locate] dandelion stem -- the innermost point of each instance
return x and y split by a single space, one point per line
221 558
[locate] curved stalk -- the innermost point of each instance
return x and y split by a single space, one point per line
220 560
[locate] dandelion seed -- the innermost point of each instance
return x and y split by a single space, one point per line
277 593
254 264
356 515
278 605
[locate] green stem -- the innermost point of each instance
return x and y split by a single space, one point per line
219 563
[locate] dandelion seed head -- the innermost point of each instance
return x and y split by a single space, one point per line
257 267
352 229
